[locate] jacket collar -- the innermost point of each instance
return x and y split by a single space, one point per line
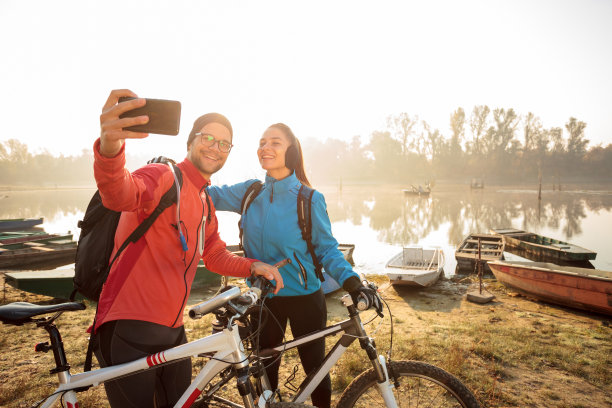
193 174
283 185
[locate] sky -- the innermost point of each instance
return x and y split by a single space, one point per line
328 69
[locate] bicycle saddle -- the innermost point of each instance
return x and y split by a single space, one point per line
18 313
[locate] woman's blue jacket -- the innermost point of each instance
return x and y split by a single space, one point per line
271 232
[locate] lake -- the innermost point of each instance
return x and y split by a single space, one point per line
379 220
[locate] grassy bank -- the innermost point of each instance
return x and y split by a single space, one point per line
513 352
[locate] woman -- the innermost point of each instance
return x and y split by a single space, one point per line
271 233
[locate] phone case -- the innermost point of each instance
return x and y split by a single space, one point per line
164 116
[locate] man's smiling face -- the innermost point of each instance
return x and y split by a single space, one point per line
209 159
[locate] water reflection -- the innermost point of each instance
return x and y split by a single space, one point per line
381 219
406 219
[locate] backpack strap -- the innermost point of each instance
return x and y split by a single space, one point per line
251 193
304 204
169 198
166 201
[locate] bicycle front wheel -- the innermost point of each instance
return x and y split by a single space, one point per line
420 385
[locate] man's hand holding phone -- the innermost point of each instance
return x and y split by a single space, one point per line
112 134
125 116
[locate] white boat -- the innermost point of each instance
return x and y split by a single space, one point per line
416 266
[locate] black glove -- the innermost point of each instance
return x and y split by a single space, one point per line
361 293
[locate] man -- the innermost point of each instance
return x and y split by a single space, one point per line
140 310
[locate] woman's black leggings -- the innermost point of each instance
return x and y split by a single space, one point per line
127 340
306 314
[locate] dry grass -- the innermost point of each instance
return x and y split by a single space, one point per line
512 353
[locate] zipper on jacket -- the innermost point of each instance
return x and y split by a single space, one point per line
195 251
301 271
271 191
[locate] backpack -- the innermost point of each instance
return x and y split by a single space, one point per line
304 204
96 241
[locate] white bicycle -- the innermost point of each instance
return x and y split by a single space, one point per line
390 384
224 350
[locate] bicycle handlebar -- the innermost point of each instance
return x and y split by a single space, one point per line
208 306
260 287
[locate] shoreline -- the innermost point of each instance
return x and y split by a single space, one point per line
512 352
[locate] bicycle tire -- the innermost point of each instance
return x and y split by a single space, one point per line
421 385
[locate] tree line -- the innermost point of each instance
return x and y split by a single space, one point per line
496 145
499 146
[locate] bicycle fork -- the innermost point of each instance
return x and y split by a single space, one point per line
385 387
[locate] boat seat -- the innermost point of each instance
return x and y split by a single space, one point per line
18 313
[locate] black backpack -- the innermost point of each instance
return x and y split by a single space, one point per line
97 238
304 204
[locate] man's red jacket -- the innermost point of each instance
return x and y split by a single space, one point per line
152 278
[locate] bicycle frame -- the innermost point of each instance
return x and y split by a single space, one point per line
226 346
352 329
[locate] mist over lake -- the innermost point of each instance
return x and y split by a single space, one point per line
379 219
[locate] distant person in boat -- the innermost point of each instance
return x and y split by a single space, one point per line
270 232
140 311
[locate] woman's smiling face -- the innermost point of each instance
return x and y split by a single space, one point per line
271 152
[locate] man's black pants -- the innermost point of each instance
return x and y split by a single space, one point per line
122 341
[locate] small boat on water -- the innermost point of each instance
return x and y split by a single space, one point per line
543 248
13 224
55 283
582 288
329 285
419 191
54 249
416 266
467 253
13 237
477 183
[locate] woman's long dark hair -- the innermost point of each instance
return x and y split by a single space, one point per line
294 160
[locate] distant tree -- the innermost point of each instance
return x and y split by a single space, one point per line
576 143
387 154
531 130
506 122
478 125
402 128
457 126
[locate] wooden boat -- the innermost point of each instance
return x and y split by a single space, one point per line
477 183
59 250
491 249
13 237
419 191
8 239
416 266
55 283
329 285
582 288
13 224
544 248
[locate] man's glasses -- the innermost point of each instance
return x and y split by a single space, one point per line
209 141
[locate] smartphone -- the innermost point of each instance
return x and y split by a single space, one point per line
164 116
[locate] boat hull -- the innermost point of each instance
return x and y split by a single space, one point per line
415 279
19 223
54 283
415 267
573 287
467 255
544 248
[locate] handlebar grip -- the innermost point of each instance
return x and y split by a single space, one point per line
208 306
363 303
